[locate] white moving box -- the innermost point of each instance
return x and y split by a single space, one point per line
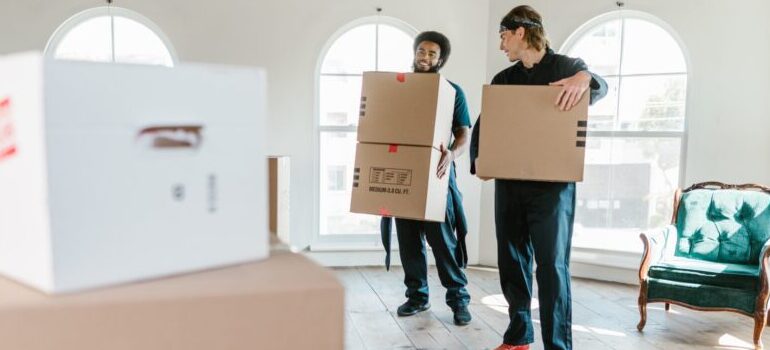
113 173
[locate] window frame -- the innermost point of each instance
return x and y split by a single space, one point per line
342 241
107 11
623 15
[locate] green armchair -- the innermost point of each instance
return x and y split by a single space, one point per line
713 256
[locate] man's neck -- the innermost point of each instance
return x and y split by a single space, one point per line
531 57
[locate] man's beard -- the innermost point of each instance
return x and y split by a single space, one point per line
433 69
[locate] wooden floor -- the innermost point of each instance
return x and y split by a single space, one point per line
604 317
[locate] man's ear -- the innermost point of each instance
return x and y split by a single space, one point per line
519 32
440 62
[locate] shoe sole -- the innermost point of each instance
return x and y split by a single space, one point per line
457 323
424 308
461 323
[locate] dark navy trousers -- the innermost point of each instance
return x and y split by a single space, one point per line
534 220
412 235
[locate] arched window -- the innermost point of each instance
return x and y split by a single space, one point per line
111 34
369 44
635 149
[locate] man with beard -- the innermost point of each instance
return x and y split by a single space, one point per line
534 218
431 52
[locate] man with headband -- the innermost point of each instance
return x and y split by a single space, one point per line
431 52
534 218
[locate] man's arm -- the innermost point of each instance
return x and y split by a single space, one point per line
578 80
461 121
453 152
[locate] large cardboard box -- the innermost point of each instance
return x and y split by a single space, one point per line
399 181
406 109
285 302
125 172
524 136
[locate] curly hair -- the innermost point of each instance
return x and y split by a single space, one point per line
435 37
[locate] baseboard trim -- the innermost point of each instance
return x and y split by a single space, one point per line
330 258
579 269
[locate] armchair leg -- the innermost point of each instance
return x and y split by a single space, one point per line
760 319
642 306
668 306
643 315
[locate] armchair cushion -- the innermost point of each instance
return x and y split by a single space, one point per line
703 272
726 226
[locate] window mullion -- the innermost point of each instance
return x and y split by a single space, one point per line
112 36
341 75
644 75
377 46
610 179
635 134
338 128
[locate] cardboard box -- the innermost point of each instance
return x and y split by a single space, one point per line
285 302
126 172
399 181
524 136
280 177
406 109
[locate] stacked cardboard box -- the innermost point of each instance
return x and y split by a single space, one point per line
404 119
126 172
116 173
284 302
524 135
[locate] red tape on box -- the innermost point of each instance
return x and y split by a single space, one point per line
7 137
7 153
393 149
385 212
401 77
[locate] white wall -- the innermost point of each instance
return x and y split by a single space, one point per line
728 114
286 37
726 43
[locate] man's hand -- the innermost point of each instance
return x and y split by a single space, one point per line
447 157
572 90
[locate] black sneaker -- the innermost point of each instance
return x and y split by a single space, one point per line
410 308
462 315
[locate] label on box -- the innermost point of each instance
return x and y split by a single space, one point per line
384 180
388 176
7 130
388 190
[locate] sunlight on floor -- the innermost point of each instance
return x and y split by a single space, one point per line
728 341
497 302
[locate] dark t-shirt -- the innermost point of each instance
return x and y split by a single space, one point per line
461 115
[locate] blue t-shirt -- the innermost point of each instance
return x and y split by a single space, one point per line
461 115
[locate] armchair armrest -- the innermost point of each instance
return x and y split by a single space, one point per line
657 243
